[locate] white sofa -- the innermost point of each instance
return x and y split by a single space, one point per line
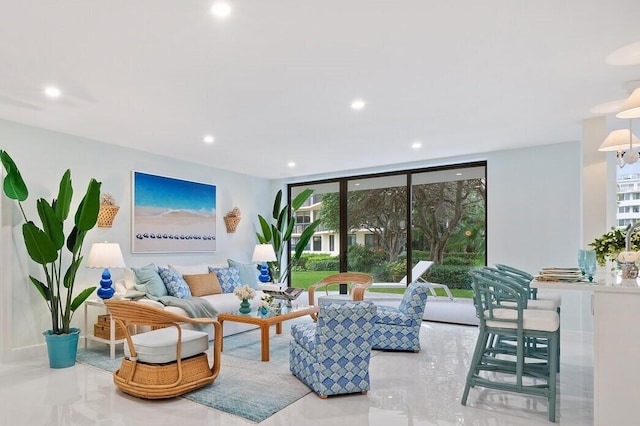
224 302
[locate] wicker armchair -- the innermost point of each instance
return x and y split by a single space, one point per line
357 283
168 361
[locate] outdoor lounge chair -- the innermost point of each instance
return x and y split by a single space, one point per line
417 272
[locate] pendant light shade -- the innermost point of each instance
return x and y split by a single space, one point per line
631 108
619 140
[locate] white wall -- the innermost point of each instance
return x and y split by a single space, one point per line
43 156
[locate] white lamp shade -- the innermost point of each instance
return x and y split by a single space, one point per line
105 255
631 108
263 253
618 140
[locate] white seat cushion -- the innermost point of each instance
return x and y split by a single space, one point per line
533 319
159 346
535 304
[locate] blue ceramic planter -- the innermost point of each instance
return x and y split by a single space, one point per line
62 348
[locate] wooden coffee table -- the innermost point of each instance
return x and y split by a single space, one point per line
266 322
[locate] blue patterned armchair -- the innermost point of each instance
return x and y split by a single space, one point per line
399 329
332 355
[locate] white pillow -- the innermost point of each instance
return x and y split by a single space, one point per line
202 268
120 287
129 279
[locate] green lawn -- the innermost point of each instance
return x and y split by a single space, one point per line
303 279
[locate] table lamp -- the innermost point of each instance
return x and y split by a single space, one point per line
264 253
105 255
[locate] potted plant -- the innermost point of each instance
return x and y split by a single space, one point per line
612 243
279 232
46 247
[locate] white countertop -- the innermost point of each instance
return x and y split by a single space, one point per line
604 282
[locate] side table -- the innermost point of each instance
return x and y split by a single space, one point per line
88 334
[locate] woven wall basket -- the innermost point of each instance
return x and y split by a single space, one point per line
106 215
231 222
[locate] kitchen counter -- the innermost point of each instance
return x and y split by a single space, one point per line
615 306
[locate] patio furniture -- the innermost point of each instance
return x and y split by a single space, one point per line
418 270
332 355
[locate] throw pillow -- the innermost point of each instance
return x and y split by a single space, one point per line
149 281
203 284
229 278
248 272
176 286
129 278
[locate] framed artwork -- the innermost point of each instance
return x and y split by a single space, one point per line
172 215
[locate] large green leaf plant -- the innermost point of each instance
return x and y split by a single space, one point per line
45 245
279 232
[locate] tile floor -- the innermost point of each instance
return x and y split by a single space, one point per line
407 388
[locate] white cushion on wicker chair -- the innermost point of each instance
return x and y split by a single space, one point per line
159 346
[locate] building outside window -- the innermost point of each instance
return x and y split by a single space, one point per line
628 194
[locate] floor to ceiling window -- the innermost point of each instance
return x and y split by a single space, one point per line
393 220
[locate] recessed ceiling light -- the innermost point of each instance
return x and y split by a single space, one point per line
458 174
221 9
291 164
626 55
358 104
208 139
416 145
52 92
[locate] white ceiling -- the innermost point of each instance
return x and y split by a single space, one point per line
274 82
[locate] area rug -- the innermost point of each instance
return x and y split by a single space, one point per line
246 386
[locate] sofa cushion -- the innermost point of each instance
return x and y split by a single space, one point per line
149 281
229 278
203 284
176 285
248 272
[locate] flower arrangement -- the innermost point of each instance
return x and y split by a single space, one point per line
266 301
610 244
244 293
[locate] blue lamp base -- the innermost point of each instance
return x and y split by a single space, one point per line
264 276
106 291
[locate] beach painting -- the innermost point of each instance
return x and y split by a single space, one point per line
172 215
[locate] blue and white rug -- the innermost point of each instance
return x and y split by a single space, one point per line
246 386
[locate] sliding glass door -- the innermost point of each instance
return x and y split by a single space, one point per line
385 224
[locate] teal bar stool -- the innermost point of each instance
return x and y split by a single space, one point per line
534 302
535 376
535 348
